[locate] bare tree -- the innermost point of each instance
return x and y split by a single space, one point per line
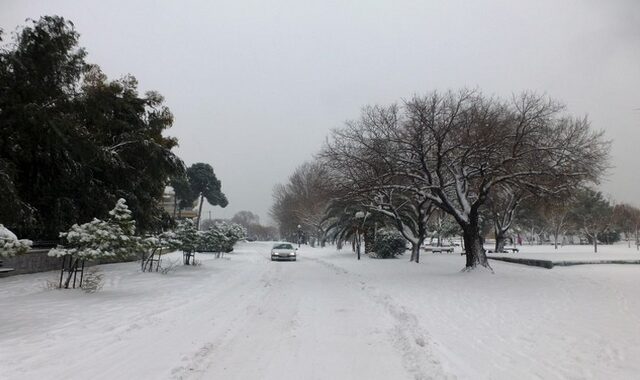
442 226
245 218
555 212
627 219
456 149
302 202
410 214
592 214
362 164
503 206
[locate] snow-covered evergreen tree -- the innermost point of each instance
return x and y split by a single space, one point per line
388 244
187 239
10 244
221 237
99 238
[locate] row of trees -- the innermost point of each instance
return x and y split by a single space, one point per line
255 230
586 213
117 238
302 202
459 156
72 141
219 237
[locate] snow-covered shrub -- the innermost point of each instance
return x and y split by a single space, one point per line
99 238
221 237
186 239
154 247
388 244
185 236
10 244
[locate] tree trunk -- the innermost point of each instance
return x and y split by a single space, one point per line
415 252
199 212
531 241
595 242
474 250
175 205
501 240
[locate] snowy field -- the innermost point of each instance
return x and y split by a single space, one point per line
328 316
618 251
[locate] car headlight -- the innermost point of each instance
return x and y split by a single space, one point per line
292 254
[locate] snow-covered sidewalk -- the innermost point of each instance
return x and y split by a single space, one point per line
326 316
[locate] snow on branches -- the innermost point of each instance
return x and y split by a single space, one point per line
10 245
98 238
221 237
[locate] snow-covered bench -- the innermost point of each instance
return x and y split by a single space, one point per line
505 250
439 249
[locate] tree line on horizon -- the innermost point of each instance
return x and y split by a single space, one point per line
73 141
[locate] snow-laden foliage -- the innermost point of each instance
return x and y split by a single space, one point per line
388 244
162 240
98 238
221 237
10 244
185 236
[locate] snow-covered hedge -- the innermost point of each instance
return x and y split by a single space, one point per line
10 244
388 244
221 237
98 238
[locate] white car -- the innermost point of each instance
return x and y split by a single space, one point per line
283 251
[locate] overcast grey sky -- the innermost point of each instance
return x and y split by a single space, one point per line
255 86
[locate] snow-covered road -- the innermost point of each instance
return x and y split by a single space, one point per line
325 316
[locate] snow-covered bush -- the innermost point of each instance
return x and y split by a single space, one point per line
98 238
221 237
186 239
388 244
155 246
10 244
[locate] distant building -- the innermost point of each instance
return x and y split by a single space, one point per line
169 205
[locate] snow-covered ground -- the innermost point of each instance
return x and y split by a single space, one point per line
618 251
328 316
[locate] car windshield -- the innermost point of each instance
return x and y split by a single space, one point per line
283 246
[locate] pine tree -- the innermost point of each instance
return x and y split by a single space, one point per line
186 235
99 238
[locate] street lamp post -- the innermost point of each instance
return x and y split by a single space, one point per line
359 215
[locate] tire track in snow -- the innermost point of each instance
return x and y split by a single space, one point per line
414 344
197 363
